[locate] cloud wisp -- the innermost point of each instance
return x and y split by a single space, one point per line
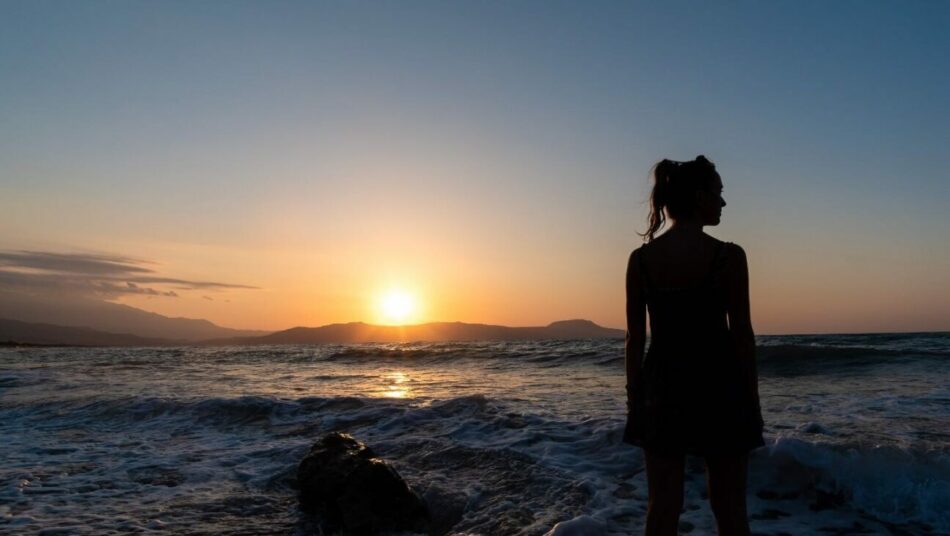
105 276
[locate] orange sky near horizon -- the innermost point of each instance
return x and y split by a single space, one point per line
323 286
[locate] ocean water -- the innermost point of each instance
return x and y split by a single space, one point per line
509 438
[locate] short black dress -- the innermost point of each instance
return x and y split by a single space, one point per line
691 397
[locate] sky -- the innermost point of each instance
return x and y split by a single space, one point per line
289 163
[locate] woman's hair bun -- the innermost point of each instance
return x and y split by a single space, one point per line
701 159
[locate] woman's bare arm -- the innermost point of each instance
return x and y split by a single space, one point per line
740 318
636 324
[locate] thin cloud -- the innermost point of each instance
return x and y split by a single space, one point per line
80 263
183 284
107 276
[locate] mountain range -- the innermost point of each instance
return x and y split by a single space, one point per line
16 332
112 318
360 332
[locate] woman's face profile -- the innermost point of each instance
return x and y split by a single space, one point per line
711 203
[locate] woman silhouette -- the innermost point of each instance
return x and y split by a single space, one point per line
696 391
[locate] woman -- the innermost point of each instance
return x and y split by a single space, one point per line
696 391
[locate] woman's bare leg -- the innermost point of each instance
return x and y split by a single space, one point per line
665 483
726 481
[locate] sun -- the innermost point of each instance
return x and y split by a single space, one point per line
397 306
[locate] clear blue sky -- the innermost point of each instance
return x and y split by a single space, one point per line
514 134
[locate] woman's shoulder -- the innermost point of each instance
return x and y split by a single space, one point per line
732 250
633 260
731 255
638 251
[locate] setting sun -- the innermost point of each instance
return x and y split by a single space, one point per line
397 306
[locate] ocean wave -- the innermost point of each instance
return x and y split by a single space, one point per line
215 411
437 353
385 353
612 354
812 351
893 484
772 351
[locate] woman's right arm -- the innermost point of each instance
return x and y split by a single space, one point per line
636 325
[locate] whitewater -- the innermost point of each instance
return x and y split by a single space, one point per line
504 437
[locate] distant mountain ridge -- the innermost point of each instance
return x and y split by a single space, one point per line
14 332
19 332
114 318
360 332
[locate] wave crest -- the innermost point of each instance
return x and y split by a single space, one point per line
891 483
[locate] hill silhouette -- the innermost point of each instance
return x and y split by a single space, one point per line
19 332
360 332
14 332
115 318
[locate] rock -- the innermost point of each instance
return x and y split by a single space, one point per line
344 484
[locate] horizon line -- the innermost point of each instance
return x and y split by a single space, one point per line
757 334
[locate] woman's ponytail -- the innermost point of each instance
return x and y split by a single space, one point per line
662 175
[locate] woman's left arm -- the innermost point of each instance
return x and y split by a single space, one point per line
636 325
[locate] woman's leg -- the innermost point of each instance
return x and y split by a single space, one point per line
665 483
726 480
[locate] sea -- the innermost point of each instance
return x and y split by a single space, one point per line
503 438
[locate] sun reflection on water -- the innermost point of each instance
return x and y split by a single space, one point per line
396 387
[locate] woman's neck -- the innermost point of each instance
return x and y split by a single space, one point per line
687 226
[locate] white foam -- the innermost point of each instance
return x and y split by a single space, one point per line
583 525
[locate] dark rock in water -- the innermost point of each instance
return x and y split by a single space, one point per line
344 484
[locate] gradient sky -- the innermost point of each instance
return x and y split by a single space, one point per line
490 157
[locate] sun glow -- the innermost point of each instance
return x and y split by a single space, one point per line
397 306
